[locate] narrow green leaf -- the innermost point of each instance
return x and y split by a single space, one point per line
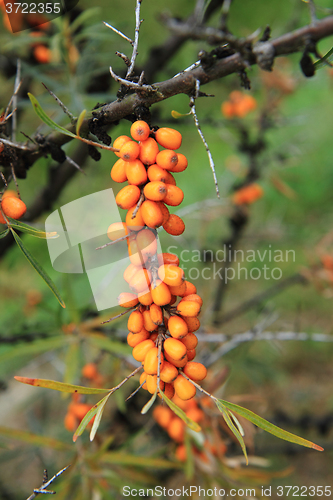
32 348
34 439
148 405
88 416
46 119
120 458
98 417
268 427
232 427
60 386
189 464
80 121
176 114
4 233
112 346
33 231
181 414
38 268
328 57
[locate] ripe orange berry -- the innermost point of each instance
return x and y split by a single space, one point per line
90 371
152 383
79 409
140 281
135 322
181 164
183 388
156 173
174 348
176 429
129 272
13 207
133 339
162 415
134 223
169 372
117 230
147 242
195 414
155 191
174 225
174 195
168 258
179 363
170 179
151 214
190 341
145 298
178 290
136 172
171 275
161 293
134 253
148 323
167 159
194 298
177 327
140 130
140 351
129 151
42 54
195 371
143 377
119 142
191 353
128 196
190 288
181 453
148 151
248 194
118 171
164 210
127 299
70 422
151 361
156 314
168 390
168 138
188 308
9 192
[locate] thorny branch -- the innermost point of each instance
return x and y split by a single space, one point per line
42 489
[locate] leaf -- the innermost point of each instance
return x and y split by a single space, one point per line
60 386
112 346
181 414
328 57
220 404
38 268
148 405
4 233
88 416
33 231
80 120
32 348
120 458
268 427
34 439
98 417
43 116
176 114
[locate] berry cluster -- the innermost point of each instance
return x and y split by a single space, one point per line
165 307
238 105
11 206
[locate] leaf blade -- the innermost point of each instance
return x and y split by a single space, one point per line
88 416
4 233
80 120
98 417
33 231
60 386
232 426
46 119
148 405
180 413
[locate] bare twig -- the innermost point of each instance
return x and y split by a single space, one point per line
119 33
138 205
225 12
135 392
122 238
130 84
15 180
15 145
72 118
123 57
16 89
136 39
43 489
197 124
118 315
75 165
134 372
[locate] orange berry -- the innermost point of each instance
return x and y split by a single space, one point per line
117 230
178 290
70 422
140 351
119 142
195 414
145 298
134 253
170 179
152 383
129 272
148 323
168 390
42 54
161 293
127 299
228 109
2 219
79 409
191 353
168 258
176 429
188 308
129 151
178 363
143 377
9 192
13 207
147 242
151 214
140 130
169 372
174 195
190 288
134 223
90 371
194 298
181 164
183 405
162 415
153 336
155 191
174 348
128 196
118 171
181 453
195 371
156 173
136 172
248 194
167 159
174 225
177 327
151 361
133 339
184 388
164 210
135 322
148 151
168 138
140 281
171 275
190 341
156 314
